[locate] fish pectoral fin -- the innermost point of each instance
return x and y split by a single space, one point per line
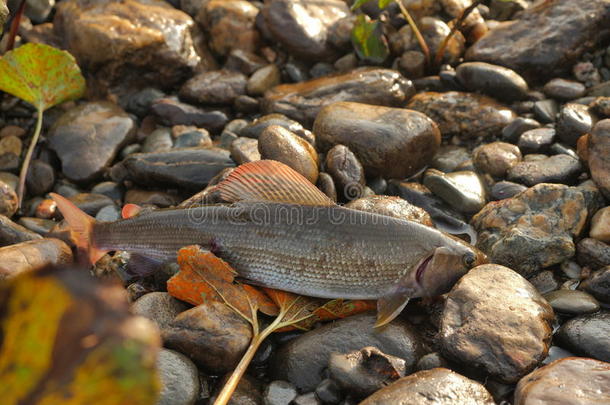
269 180
390 306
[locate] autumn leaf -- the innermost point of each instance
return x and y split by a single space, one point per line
67 339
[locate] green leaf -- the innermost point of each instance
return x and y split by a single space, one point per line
384 3
368 40
41 75
358 3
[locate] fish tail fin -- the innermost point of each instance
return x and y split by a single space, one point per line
81 227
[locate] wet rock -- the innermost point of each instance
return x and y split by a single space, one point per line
495 320
599 90
198 138
600 225
394 207
364 371
245 150
599 156
562 89
159 307
496 158
545 40
329 392
8 200
278 143
159 140
517 127
256 127
588 335
211 334
573 121
279 393
467 115
505 189
569 381
11 144
544 282
40 226
462 190
303 101
12 233
303 360
263 79
40 178
248 391
534 229
145 197
302 26
553 169
327 185
307 399
346 171
536 140
109 213
598 284
438 386
32 255
495 81
572 302
601 106
3 12
172 112
389 142
545 111
243 61
230 25
215 87
109 189
90 203
593 253
179 379
139 103
160 48
87 138
188 168
432 360
450 157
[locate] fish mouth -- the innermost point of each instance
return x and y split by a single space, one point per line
421 268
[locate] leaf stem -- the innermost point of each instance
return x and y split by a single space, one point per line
418 35
440 52
28 156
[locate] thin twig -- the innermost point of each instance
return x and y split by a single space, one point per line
12 34
440 52
418 35
28 156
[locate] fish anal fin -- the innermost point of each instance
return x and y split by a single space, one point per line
390 306
272 181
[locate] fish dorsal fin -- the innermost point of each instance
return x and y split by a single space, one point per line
269 180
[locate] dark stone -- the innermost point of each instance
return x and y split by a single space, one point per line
463 190
573 121
517 127
599 156
572 302
347 172
546 110
279 393
327 185
598 284
172 112
256 127
554 169
12 233
587 335
109 189
139 103
449 158
245 150
496 158
179 379
90 203
215 87
536 140
40 178
495 81
565 90
544 282
593 253
329 392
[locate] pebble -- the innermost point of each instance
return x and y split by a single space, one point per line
394 207
217 87
593 253
86 138
109 213
255 128
159 140
307 399
139 103
303 101
245 150
12 233
179 379
210 334
302 360
571 269
518 126
598 284
496 158
109 189
173 112
505 189
544 281
327 186
599 156
364 371
11 144
565 90
145 197
438 386
495 81
244 61
573 121
278 143
90 203
568 381
199 138
588 335
467 115
279 393
546 111
40 178
600 225
540 53
163 53
430 361
347 172
37 225
389 142
537 140
263 79
303 27
8 200
248 390
563 169
450 157
494 319
462 190
188 168
159 307
600 106
534 229
329 392
572 302
33 255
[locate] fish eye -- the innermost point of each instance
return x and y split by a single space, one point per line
469 259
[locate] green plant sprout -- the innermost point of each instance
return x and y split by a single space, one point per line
42 76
